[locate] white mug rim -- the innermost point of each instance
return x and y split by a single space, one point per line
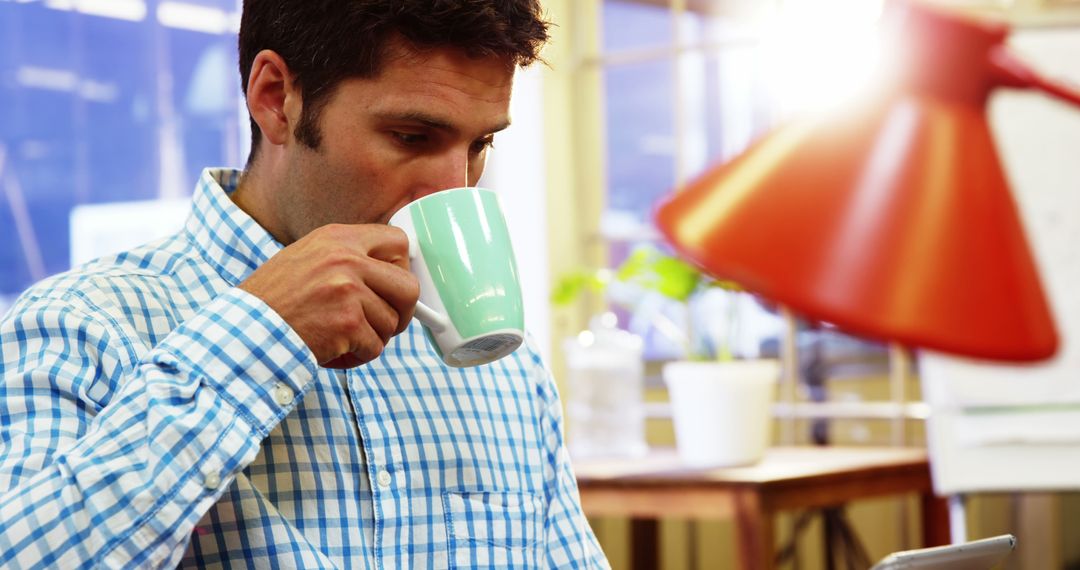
438 193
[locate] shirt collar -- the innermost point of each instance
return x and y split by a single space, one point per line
229 239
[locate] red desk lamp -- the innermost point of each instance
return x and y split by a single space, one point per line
894 219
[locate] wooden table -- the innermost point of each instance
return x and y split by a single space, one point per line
659 485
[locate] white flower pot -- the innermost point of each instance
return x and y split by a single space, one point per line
722 410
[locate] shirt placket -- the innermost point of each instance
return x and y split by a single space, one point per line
380 437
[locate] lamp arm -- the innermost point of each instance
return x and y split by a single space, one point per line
1010 71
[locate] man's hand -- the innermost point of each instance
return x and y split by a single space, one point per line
345 289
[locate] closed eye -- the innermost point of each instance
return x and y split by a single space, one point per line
409 139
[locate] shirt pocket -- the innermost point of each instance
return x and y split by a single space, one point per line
494 529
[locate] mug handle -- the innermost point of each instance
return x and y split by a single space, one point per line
436 322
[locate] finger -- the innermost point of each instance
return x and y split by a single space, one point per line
404 318
385 243
399 288
365 344
396 296
381 261
382 318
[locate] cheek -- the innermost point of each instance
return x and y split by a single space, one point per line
350 172
364 161
368 189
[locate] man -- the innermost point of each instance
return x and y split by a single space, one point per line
253 391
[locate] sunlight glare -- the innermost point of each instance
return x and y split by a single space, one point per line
820 53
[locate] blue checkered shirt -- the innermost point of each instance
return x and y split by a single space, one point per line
154 415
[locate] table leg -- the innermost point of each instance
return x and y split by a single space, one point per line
1038 518
644 543
753 532
831 531
935 520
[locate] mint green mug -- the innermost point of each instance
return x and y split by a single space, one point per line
470 298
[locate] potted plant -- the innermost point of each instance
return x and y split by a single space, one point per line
720 400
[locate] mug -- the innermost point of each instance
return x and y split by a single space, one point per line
470 297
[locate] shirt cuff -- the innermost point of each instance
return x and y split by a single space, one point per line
242 349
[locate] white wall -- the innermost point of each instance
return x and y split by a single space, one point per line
515 170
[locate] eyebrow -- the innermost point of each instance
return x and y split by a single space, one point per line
433 121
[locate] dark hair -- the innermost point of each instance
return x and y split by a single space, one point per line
326 41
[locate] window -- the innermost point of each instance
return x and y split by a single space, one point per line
106 101
681 85
680 89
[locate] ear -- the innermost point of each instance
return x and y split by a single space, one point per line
273 98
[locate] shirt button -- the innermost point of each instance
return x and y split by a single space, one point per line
283 394
212 481
384 479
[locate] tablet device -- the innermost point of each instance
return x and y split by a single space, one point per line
975 555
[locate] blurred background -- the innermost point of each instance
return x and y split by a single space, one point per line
111 108
107 101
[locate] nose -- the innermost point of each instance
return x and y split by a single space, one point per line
447 170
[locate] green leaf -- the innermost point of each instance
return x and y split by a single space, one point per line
571 286
676 278
635 266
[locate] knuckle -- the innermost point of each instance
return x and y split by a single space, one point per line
324 232
379 317
369 349
350 287
339 288
336 236
403 322
348 321
331 349
336 230
341 347
341 256
363 263
398 238
411 288
388 327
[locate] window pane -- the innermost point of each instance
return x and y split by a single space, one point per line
721 108
640 136
117 120
632 25
725 106
104 107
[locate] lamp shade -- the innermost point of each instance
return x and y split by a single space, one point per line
892 220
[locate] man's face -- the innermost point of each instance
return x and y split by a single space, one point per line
422 125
